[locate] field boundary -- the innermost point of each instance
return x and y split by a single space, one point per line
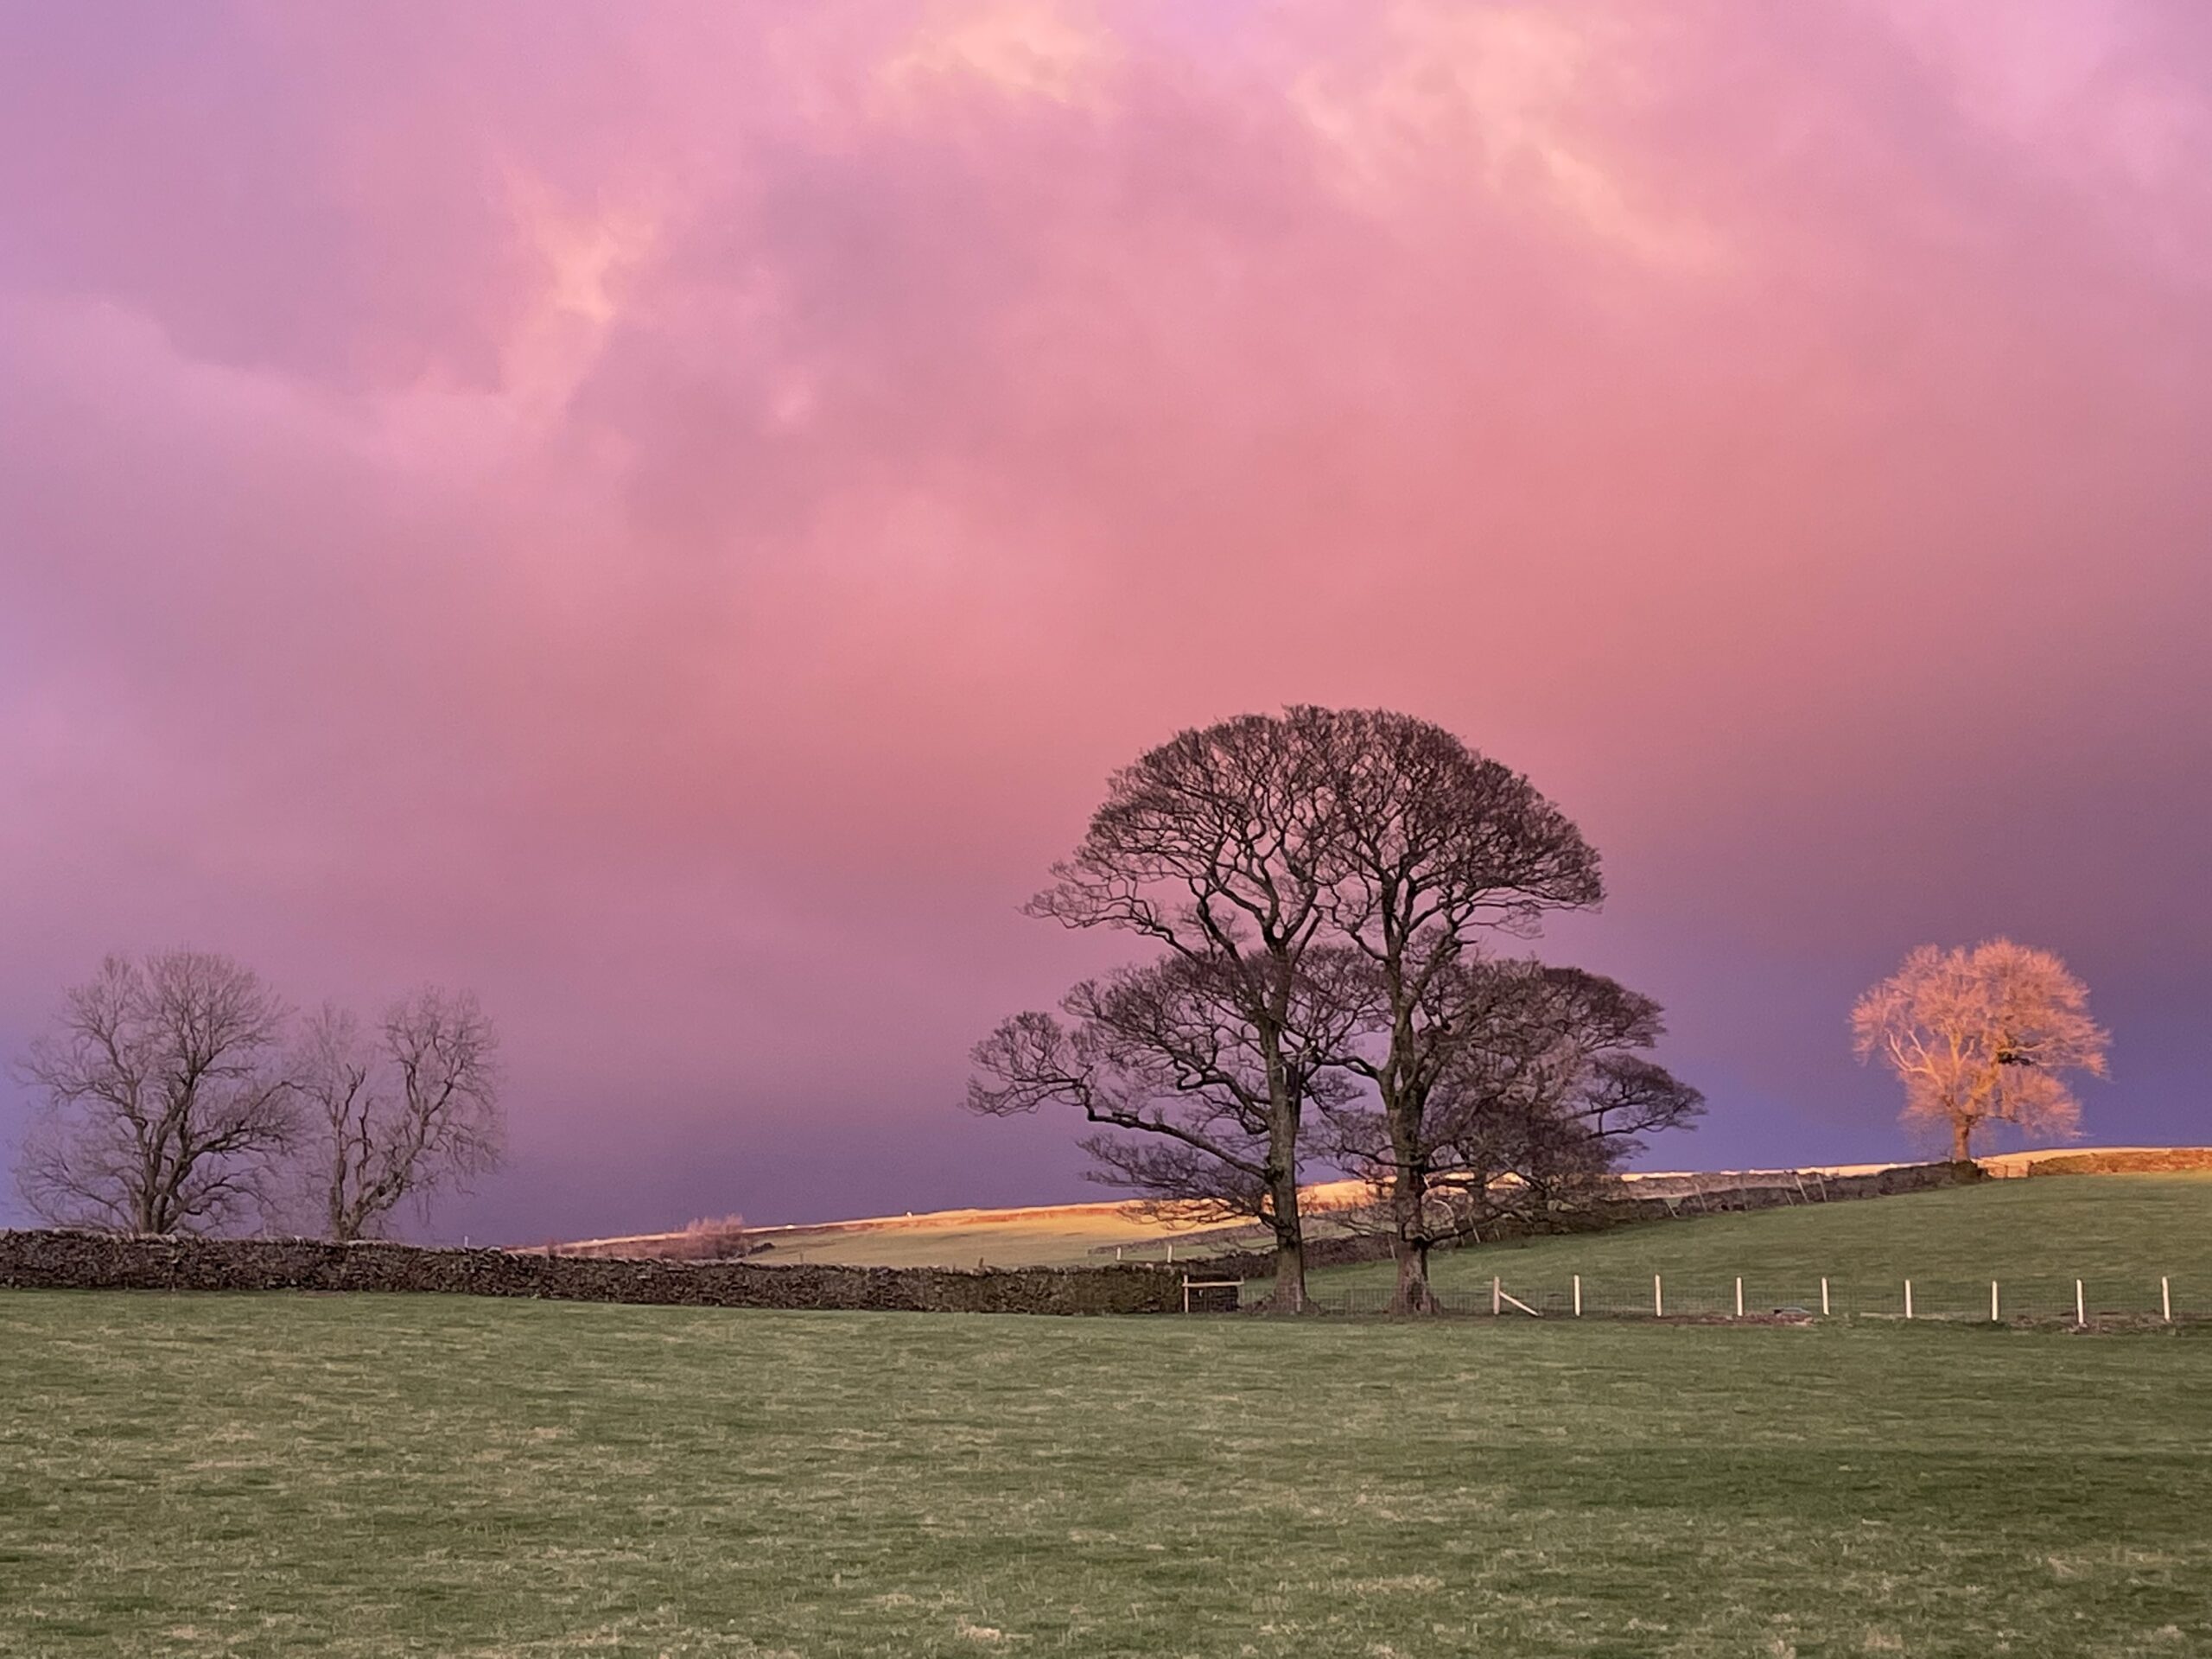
2105 1302
57 1260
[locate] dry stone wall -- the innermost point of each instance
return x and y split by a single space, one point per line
78 1261
2114 1160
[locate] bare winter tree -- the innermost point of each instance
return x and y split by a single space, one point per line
1213 847
1167 1058
1264 842
402 1113
167 1103
1534 1089
1433 845
1983 1035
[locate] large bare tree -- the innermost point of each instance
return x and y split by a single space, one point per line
1260 845
400 1114
167 1102
1168 1060
1983 1035
1534 1087
1214 848
1434 846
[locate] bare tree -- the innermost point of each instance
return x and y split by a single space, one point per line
167 1104
1983 1035
1167 1060
403 1114
1539 1090
334 1068
1214 847
710 1238
1432 846
1254 849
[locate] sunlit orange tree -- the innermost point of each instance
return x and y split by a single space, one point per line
1983 1035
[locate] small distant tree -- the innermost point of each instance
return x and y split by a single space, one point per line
167 1103
710 1238
402 1113
1982 1035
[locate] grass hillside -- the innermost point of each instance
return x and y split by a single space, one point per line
1068 1236
2117 1233
1042 1235
275 1475
1057 1236
1084 1235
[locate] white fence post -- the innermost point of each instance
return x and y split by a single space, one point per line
1658 1298
1578 1296
1908 1299
2166 1299
2081 1313
1992 1301
1739 1296
1824 1299
1496 1297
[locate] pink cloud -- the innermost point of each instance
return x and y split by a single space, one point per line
668 517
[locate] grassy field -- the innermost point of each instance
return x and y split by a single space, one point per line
2117 1233
1041 1236
1057 1236
1078 1236
278 1475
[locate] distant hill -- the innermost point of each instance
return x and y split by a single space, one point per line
1069 1235
1062 1235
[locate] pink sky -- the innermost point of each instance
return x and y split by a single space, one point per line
667 515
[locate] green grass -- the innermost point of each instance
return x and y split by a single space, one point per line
2117 1233
279 1475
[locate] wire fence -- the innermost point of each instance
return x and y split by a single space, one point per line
2109 1301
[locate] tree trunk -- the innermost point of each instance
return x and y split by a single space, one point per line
145 1199
1412 1293
1289 1295
1408 1238
1962 1134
